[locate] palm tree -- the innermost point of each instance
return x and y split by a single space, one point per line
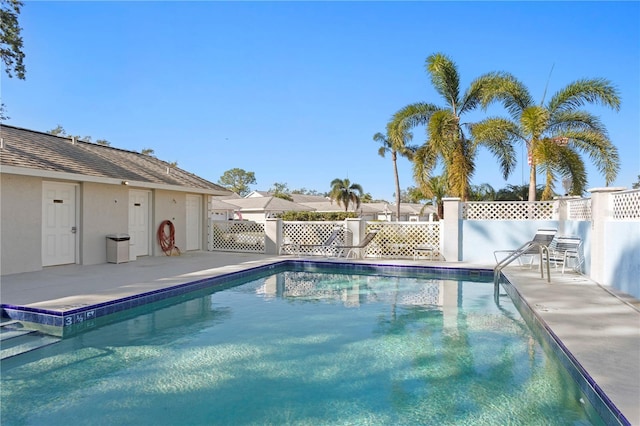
446 139
482 192
345 192
395 146
516 193
556 132
436 189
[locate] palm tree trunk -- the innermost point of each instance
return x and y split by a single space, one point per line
532 182
395 172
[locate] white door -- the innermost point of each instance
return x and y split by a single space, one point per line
139 222
58 223
194 220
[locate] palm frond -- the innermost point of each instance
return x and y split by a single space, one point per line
386 145
413 115
424 161
504 88
444 77
460 171
498 135
575 120
571 166
587 91
442 131
603 154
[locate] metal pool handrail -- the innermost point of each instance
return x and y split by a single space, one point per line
543 249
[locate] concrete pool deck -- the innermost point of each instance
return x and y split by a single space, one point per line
601 330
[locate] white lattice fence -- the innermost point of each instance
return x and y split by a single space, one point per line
236 235
312 233
399 239
626 205
579 209
508 210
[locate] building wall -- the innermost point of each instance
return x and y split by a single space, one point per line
104 210
21 224
169 205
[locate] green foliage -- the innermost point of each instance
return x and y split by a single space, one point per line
395 142
636 185
11 39
59 131
482 192
317 216
345 192
237 180
281 190
449 142
3 113
305 191
147 151
283 196
412 195
555 133
516 193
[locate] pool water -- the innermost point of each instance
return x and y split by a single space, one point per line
303 348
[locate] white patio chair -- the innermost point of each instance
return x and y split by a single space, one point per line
566 250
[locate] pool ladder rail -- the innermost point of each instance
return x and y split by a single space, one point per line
525 249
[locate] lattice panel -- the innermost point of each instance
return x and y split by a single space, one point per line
312 233
509 210
579 209
399 239
626 205
236 235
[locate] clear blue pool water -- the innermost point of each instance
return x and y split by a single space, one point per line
302 348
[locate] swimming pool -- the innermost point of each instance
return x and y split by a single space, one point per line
306 345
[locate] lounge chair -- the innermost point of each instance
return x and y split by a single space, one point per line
543 237
357 250
566 249
324 248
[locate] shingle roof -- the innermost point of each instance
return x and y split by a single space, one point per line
41 151
267 204
303 198
329 206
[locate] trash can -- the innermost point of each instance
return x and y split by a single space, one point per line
118 248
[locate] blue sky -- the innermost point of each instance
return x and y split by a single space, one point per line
295 91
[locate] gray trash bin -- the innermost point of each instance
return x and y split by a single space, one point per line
118 248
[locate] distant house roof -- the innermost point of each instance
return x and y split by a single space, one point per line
328 206
303 198
296 198
266 204
35 153
219 205
258 194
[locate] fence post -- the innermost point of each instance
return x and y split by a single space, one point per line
357 228
561 212
601 211
272 236
452 232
